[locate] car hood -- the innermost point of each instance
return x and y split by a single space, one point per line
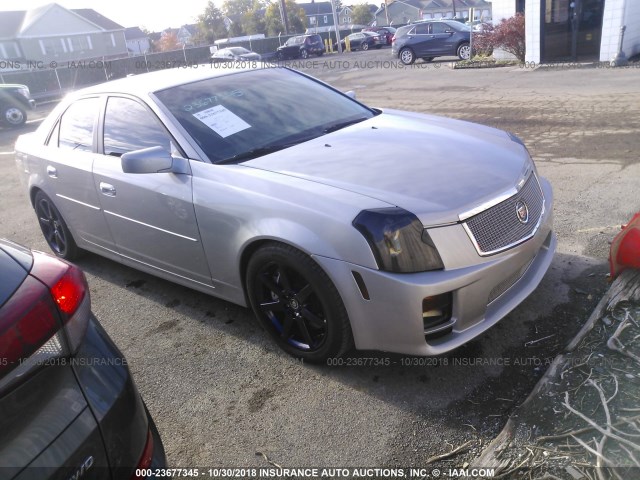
434 167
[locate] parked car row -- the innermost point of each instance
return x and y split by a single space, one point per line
425 39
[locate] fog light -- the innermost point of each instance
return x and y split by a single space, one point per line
436 310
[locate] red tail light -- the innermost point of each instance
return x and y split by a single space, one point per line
146 457
45 318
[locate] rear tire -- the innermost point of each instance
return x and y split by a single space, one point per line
407 56
464 51
55 230
304 54
297 303
365 46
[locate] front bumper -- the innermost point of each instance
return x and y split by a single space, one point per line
484 290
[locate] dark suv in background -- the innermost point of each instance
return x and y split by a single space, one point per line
431 39
301 46
69 406
15 100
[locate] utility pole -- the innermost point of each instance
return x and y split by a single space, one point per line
453 3
284 16
335 25
386 11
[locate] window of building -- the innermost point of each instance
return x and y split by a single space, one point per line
53 46
312 20
78 43
325 19
9 50
520 6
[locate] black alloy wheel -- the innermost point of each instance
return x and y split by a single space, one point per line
54 229
297 303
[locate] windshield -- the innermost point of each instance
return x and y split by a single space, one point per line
257 110
295 41
239 50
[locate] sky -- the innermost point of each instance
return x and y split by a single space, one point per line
150 14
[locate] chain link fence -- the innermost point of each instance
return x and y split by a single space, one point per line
53 83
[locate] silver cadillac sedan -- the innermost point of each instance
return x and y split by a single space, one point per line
340 225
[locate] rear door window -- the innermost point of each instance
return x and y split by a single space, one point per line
77 125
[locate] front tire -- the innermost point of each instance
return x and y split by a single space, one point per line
297 303
464 51
55 230
407 56
13 116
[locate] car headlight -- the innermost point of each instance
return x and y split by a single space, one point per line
530 164
398 240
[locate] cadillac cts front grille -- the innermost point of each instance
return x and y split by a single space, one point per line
508 223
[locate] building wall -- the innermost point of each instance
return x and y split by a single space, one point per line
58 21
58 48
399 13
502 9
532 20
616 14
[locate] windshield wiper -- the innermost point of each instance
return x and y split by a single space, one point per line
341 125
255 153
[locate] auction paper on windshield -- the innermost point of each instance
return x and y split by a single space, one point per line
222 121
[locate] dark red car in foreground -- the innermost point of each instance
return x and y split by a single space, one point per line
69 407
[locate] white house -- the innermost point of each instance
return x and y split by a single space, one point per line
558 30
138 42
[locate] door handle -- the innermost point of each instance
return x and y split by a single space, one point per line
107 189
52 171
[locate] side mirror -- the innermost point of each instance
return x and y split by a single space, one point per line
350 94
153 160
